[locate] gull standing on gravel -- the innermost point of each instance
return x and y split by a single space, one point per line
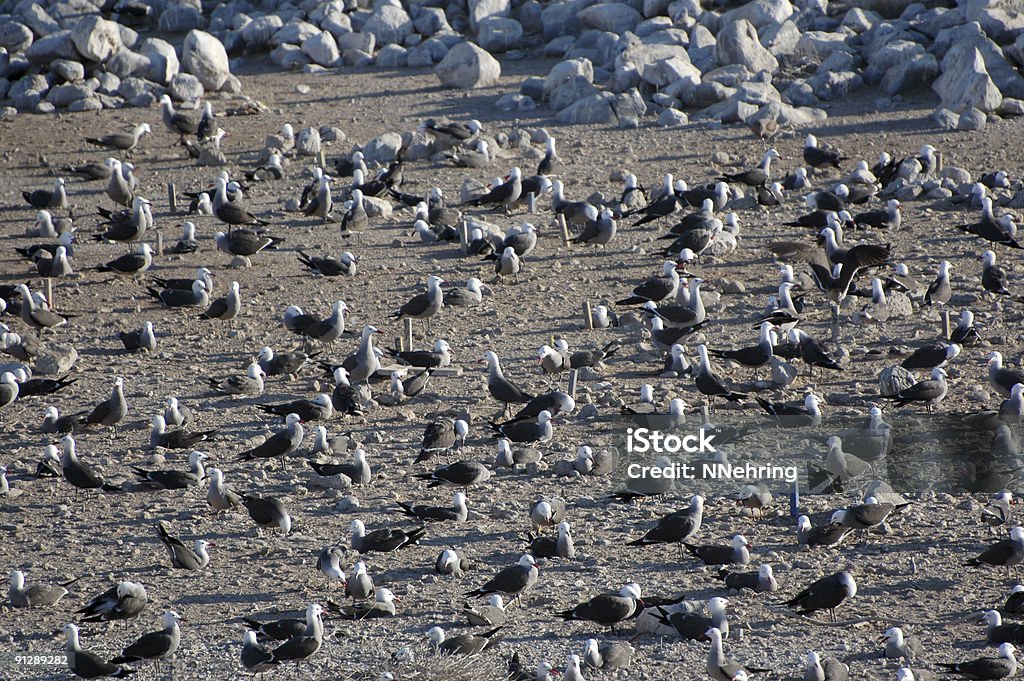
424 305
219 495
87 664
281 443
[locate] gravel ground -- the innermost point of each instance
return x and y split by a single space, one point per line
912 575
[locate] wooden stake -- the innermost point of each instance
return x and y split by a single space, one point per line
946 331
588 316
159 242
564 227
531 203
407 333
49 293
322 157
464 236
574 376
705 415
399 344
172 198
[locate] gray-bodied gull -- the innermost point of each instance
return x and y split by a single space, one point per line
657 288
424 305
708 381
997 632
132 263
736 553
127 225
1001 378
344 397
997 512
267 512
899 646
575 212
119 189
382 605
500 387
175 479
121 141
676 527
281 363
721 668
79 474
198 296
281 443
505 194
219 496
34 596
355 218
459 511
560 546
830 669
462 644
808 413
87 664
255 658
547 512
511 581
183 557
458 474
187 243
56 198
610 656
185 283
825 594
155 645
320 408
931 355
761 581
344 265
525 431
251 383
930 391
1002 667
383 540
226 307
939 291
359 586
819 156
121 602
1006 552
305 644
492 614
440 356
694 625
328 562
35 315
358 471
159 436
366 360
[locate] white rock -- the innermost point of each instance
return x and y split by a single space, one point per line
204 56
383 148
738 44
483 9
390 24
322 49
95 38
307 142
613 17
499 34
565 71
468 66
965 83
760 13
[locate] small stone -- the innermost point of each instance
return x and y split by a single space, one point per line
672 118
972 119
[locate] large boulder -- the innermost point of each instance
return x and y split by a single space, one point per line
965 82
484 9
597 108
95 38
322 49
15 37
390 24
204 57
738 44
916 73
468 66
499 34
611 16
760 13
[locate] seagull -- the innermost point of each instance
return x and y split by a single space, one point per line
677 527
931 391
761 581
827 670
281 443
226 307
355 218
197 296
329 563
505 194
383 540
344 265
183 557
525 431
713 554
254 657
657 288
174 479
997 632
267 512
463 644
458 474
511 581
281 364
490 615
816 156
610 656
449 562
1006 552
219 495
708 381
693 625
997 512
35 596
721 668
319 408
794 416
1002 667
155 645
558 547
249 384
358 471
931 355
79 474
1001 378
121 602
36 316
825 594
133 263
898 646
175 439
500 387
87 664
303 645
458 512
121 141
756 177
939 291
424 305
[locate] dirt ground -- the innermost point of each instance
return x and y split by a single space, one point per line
912 576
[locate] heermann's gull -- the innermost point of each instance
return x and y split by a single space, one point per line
458 474
254 657
306 644
479 157
598 232
757 176
55 267
281 364
219 495
812 352
410 386
965 333
554 547
328 562
383 605
737 553
345 398
555 402
865 516
816 156
997 512
931 391
355 218
751 356
185 283
525 431
231 213
424 305
159 436
359 586
281 443
507 263
142 339
825 594
490 615
127 225
660 207
511 581
1006 552
931 355
993 277
449 562
9 389
121 141
187 243
79 474
709 383
794 416
155 645
610 656
890 217
321 203
119 189
34 596
826 670
1001 378
245 242
1002 667
1015 601
267 512
761 581
35 315
841 464
121 602
686 316
383 540
505 194
500 387
174 479
452 133
53 422
898 646
676 527
366 361
694 625
658 288
278 630
939 291
462 644
56 198
183 557
547 512
458 511
358 471
721 668
87 664
226 307
249 384
198 296
319 408
345 265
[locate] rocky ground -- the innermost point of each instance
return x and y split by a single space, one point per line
911 576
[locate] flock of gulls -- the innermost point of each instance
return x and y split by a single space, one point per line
839 267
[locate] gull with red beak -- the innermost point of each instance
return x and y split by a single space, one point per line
424 305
